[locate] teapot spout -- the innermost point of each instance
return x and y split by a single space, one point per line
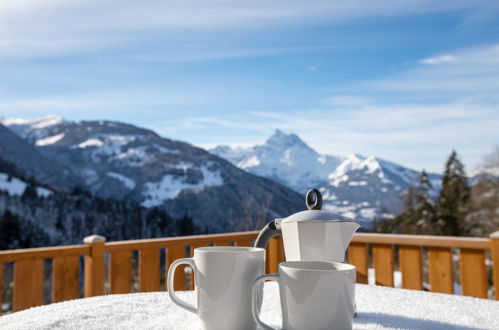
340 235
347 231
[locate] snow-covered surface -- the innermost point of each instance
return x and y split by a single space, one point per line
283 157
49 140
13 187
378 308
110 143
355 186
37 126
38 122
90 143
43 192
170 186
16 187
129 183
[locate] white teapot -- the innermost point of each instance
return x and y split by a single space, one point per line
313 234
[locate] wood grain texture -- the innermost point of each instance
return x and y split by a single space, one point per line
358 256
272 256
494 246
121 272
222 243
65 279
411 267
180 281
43 253
94 270
383 264
423 240
244 242
149 270
28 284
440 272
176 241
473 273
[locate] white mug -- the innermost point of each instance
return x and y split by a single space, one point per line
224 279
314 295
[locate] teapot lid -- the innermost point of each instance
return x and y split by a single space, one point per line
313 200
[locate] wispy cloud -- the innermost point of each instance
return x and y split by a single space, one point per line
438 60
34 28
471 73
399 132
110 104
346 100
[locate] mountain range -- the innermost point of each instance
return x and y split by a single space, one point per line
356 186
123 162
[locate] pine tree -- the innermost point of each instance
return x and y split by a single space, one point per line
425 207
10 231
453 201
419 214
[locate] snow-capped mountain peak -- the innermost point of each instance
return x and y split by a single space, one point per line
119 161
283 140
284 158
357 186
35 123
39 131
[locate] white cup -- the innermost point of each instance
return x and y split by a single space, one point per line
314 295
224 278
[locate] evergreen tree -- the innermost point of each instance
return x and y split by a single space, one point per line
30 192
419 214
453 202
185 226
10 231
425 212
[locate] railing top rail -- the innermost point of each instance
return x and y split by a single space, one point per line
424 240
75 250
171 241
44 252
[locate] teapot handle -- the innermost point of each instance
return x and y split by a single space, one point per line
267 233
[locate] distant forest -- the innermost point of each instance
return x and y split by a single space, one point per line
30 220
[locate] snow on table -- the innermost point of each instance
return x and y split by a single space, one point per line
378 308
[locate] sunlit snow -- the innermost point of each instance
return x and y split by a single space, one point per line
16 187
13 187
34 123
91 143
43 192
357 183
49 140
170 186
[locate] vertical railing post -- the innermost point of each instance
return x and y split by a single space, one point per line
94 266
494 247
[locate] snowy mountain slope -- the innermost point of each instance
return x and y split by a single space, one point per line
283 158
355 186
123 162
16 187
32 162
370 187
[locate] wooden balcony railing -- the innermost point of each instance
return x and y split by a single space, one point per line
32 277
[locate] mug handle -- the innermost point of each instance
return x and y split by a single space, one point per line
254 303
171 276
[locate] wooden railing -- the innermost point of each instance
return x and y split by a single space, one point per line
32 277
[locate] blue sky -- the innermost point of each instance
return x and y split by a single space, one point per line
407 81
